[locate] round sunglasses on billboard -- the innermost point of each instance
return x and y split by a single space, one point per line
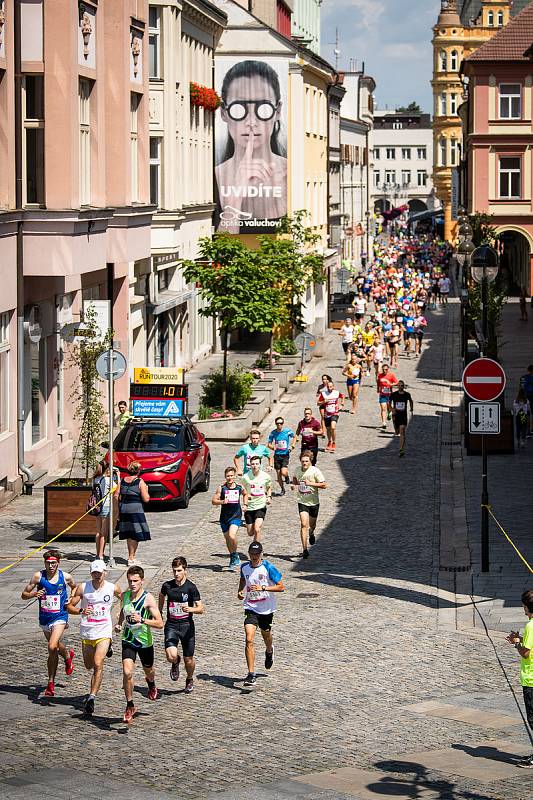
238 110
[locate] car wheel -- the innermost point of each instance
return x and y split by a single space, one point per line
204 485
183 502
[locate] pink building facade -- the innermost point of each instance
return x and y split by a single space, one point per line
77 193
498 137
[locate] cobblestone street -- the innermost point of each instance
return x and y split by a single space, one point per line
370 694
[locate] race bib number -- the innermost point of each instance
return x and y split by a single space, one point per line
400 406
51 602
308 432
232 495
97 615
303 488
281 444
256 597
175 610
385 390
331 408
256 491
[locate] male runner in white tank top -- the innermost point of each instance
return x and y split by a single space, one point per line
96 626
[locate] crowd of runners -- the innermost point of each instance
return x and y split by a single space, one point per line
388 320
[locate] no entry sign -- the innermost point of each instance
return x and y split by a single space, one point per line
483 380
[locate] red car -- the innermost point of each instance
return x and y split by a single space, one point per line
173 454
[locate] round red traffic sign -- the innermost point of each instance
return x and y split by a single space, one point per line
483 379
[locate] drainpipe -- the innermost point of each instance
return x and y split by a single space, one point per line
23 468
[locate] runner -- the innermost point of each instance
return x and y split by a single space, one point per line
258 487
444 287
368 341
49 585
309 429
393 339
347 332
353 372
252 448
183 601
96 626
385 381
331 401
399 400
228 497
409 331
259 580
309 480
281 441
139 614
420 326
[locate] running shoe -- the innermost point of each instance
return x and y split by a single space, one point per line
402 453
312 538
333 446
269 659
129 714
89 706
287 479
251 679
234 560
109 651
305 553
189 685
389 414
153 694
526 763
175 670
50 690
383 427
69 666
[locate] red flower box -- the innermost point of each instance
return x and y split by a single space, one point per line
204 96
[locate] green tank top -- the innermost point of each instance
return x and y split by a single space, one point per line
136 633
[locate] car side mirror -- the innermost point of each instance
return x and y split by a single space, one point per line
194 446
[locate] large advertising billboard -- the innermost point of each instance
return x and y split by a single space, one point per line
251 144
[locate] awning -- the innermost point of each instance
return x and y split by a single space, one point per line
421 215
168 300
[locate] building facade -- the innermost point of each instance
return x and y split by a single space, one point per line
74 184
498 129
403 158
305 23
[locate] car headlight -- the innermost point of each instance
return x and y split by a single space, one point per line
172 467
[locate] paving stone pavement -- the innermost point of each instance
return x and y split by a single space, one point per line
357 641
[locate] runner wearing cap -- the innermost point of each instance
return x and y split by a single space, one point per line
183 601
251 448
259 580
229 497
96 626
309 480
49 585
258 487
281 441
139 614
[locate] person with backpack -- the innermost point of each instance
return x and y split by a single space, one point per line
99 508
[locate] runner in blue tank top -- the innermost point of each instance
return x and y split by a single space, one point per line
50 587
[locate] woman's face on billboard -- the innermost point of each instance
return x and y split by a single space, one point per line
251 109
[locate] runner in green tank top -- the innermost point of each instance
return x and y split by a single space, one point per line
139 614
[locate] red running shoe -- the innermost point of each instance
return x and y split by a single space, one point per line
50 690
69 665
153 694
129 714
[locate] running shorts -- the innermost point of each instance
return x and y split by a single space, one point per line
174 634
399 419
146 654
384 398
352 381
227 523
311 510
261 621
281 461
329 420
251 516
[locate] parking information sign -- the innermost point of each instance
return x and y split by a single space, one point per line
165 409
484 418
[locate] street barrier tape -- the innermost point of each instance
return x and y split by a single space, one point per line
515 548
65 530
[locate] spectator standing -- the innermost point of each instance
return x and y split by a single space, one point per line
526 383
524 646
123 414
522 413
132 524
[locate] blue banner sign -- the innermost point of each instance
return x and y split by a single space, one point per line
158 408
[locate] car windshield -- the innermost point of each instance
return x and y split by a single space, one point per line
150 439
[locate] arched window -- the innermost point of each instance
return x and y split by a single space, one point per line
454 61
442 152
443 61
490 18
500 19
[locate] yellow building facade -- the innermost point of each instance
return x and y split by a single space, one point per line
452 42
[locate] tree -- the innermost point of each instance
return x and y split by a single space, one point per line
412 108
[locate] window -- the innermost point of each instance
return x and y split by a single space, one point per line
154 39
455 152
84 94
406 152
376 153
490 19
421 177
510 101
510 178
453 104
155 170
443 61
397 126
390 176
500 19
442 107
406 177
33 158
377 177
421 153
391 152
4 372
442 152
454 61
134 145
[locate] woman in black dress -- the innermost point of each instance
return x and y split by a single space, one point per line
132 524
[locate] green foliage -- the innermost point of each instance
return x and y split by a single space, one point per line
239 388
86 393
412 108
497 299
285 346
483 229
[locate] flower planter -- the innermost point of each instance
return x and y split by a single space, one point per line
258 406
63 504
279 374
226 429
263 390
289 363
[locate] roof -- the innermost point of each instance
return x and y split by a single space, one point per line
471 9
511 43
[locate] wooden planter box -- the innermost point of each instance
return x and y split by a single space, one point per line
226 429
62 505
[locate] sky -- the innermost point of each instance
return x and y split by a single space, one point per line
392 37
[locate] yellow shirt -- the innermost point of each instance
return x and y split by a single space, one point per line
526 664
368 338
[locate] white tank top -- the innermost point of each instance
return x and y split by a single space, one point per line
97 624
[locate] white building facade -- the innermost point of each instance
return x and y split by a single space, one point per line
402 157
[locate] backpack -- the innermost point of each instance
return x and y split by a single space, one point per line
94 504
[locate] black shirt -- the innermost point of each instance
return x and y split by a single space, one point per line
400 401
186 594
230 511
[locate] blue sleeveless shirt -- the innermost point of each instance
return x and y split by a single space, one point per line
52 605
